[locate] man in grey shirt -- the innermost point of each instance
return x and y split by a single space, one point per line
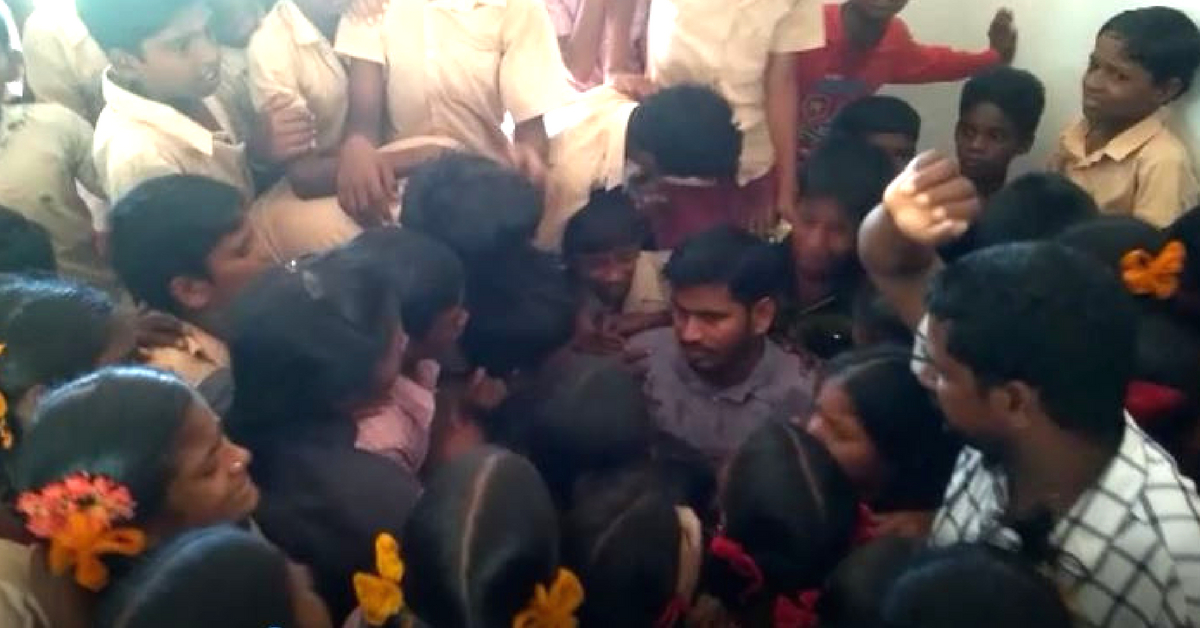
716 377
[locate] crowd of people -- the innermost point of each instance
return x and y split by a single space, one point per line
588 314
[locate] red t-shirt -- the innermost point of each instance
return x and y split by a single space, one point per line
840 73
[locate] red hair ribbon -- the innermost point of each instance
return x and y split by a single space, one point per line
672 614
1147 401
739 561
798 613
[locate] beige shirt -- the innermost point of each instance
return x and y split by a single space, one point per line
649 292
1145 171
289 56
19 607
139 139
587 154
44 150
472 61
63 64
726 44
234 92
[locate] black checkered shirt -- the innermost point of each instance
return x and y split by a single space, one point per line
1131 544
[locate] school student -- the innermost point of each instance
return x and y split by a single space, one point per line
887 122
1122 151
866 47
63 63
998 117
599 38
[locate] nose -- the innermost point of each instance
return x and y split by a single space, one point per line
977 144
1092 81
689 331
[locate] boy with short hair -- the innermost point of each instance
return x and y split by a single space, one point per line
1122 151
867 46
998 117
887 122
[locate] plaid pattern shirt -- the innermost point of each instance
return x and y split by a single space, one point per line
1131 544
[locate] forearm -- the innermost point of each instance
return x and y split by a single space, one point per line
313 176
532 134
783 111
899 267
581 49
367 97
619 52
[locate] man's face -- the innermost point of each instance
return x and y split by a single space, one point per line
714 330
608 275
823 237
900 148
1116 89
987 142
879 9
180 63
238 259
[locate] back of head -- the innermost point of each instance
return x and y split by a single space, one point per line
1049 317
305 345
210 577
120 423
973 585
853 596
689 131
1164 41
24 245
850 171
790 507
472 204
727 256
609 221
877 115
522 311
1035 206
902 421
481 538
125 24
176 221
1017 93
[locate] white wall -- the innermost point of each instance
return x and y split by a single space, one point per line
1056 39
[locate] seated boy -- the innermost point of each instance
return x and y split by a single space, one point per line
63 64
887 122
998 117
622 285
24 245
44 149
686 131
1122 151
716 377
868 47
182 245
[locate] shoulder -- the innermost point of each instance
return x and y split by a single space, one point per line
270 36
57 117
1165 149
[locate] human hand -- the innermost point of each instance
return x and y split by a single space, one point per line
156 329
366 182
635 86
288 130
1002 35
931 203
369 11
915 524
484 393
529 163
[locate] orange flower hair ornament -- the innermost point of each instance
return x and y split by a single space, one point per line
1145 274
554 607
6 433
379 595
78 516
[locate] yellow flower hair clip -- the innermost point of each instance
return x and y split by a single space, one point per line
6 433
379 595
1145 274
554 607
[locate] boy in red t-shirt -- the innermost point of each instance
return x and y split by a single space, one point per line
867 47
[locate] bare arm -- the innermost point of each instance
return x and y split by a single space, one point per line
900 268
367 89
531 146
581 49
365 181
314 176
619 55
783 111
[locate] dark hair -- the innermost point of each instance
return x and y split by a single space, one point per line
126 24
219 576
305 345
1163 40
874 316
874 115
472 204
903 422
166 228
24 245
726 256
1017 93
565 433
54 331
1035 206
607 222
120 422
428 276
789 505
853 595
623 539
522 311
849 171
1047 316
689 130
973 585
481 538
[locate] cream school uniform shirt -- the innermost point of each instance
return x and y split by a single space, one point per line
139 139
726 44
473 61
63 64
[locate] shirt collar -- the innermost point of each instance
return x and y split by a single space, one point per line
164 118
768 364
304 32
1120 147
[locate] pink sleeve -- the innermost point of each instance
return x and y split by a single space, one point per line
917 63
561 16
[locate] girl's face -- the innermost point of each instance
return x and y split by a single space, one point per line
309 608
836 424
212 483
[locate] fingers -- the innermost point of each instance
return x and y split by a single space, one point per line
277 102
